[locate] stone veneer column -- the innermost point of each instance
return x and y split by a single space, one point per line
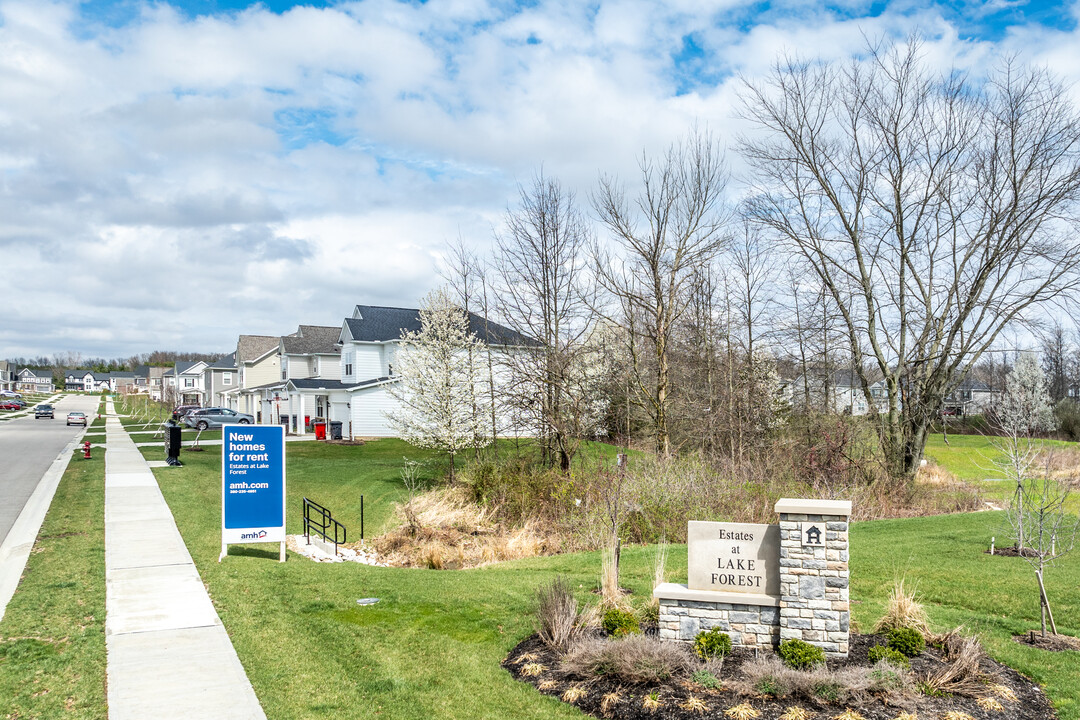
814 601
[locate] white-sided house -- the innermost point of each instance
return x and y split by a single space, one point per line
369 342
218 379
86 381
184 381
838 390
34 381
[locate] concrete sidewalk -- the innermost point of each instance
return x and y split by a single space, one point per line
168 653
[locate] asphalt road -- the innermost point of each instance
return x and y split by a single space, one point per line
27 449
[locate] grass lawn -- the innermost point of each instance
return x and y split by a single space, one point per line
432 645
52 637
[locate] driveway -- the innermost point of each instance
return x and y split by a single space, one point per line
27 449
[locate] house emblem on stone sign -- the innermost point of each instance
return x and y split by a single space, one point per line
813 534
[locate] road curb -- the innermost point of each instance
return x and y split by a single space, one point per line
16 547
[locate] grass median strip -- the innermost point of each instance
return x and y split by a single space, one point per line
52 637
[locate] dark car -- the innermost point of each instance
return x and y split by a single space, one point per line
43 411
216 417
181 410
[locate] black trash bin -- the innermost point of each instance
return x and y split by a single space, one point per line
335 430
172 444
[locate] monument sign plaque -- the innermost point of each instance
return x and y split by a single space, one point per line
734 557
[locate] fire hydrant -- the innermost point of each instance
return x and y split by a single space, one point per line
86 450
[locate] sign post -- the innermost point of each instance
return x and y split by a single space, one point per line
252 486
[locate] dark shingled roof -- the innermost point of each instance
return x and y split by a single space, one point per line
225 362
382 324
312 339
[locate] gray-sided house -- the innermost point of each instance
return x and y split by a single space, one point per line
219 378
31 380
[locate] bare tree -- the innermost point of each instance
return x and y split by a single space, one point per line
935 210
1051 530
544 294
1056 352
672 228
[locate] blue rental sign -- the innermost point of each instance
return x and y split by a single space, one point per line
252 485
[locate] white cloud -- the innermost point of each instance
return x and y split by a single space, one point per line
174 182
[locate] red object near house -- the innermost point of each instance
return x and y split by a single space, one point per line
320 430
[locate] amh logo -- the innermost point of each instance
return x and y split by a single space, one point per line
254 535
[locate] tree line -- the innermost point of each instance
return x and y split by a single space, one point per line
895 220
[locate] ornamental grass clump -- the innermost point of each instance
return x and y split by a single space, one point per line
768 676
903 611
635 659
556 614
962 673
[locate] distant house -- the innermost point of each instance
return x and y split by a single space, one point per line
970 397
7 376
837 391
257 366
219 378
370 340
123 381
184 382
309 355
30 380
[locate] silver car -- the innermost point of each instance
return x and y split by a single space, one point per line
215 417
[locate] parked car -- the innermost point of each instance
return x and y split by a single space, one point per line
43 411
180 411
10 405
216 417
76 418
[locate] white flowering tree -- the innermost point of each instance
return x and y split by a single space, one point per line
439 406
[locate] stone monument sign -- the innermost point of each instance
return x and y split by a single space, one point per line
733 557
765 583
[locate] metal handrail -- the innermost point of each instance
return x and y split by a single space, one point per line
319 519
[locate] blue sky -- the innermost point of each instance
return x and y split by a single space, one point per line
281 162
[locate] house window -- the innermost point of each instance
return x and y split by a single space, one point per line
189 382
226 379
284 373
348 369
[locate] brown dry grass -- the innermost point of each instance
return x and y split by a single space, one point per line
903 611
445 529
634 659
962 673
848 684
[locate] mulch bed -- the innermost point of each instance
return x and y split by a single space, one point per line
1054 643
1030 704
1011 552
